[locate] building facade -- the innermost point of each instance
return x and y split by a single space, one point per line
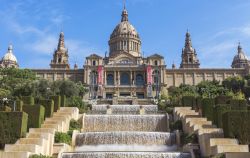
125 72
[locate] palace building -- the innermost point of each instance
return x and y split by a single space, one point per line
125 72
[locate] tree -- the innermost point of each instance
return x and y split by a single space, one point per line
236 84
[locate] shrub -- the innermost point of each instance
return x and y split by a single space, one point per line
19 105
177 125
62 138
57 102
39 156
188 101
28 100
13 125
75 125
5 108
77 102
207 108
63 100
236 125
189 138
222 99
36 115
219 110
48 105
238 104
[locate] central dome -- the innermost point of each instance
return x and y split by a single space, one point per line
125 38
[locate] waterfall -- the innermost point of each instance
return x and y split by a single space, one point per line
142 138
149 123
125 155
122 109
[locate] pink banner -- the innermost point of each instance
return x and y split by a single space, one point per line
149 74
100 75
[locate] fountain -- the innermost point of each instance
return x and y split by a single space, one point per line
101 123
125 131
124 109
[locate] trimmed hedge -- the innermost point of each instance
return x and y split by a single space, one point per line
36 115
219 110
19 105
207 108
28 100
238 104
236 125
188 101
48 105
13 125
63 100
222 99
57 102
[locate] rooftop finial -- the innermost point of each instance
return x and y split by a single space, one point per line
61 41
239 47
124 12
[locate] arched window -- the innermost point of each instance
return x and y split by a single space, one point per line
110 79
94 63
156 62
139 79
59 60
124 78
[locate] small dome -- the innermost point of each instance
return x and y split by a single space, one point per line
9 56
240 55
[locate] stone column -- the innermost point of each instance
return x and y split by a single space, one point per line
105 78
118 78
115 77
131 78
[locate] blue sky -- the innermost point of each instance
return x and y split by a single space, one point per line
33 27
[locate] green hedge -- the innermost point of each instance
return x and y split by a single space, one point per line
219 110
236 125
57 102
48 105
238 104
189 101
28 100
13 125
63 100
222 99
207 105
19 105
36 115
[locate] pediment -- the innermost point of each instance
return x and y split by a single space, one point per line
95 56
123 58
156 56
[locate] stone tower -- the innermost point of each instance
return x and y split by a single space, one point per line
125 38
60 56
189 56
240 59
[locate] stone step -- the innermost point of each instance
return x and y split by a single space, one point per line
14 154
42 130
223 141
36 149
57 127
217 149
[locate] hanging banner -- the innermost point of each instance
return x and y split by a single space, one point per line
100 75
149 74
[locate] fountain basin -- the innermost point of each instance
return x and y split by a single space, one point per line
126 155
126 137
103 123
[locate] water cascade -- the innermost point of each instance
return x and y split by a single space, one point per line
101 123
124 109
124 133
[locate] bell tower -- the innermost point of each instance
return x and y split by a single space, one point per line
60 56
189 56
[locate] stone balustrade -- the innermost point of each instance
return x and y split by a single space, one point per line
211 139
41 140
